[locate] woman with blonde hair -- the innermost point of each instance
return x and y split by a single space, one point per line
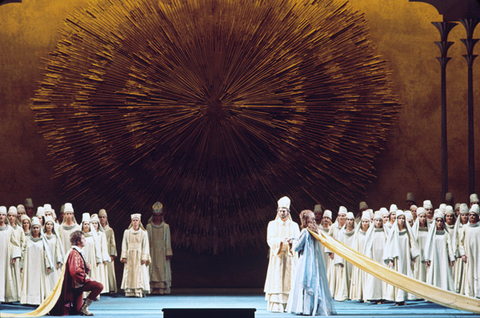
310 293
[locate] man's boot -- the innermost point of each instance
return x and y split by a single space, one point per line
84 310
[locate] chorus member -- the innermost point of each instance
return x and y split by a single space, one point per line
29 207
473 199
333 232
36 265
410 201
92 250
459 267
20 238
392 216
56 250
385 217
136 258
428 206
310 294
20 211
401 252
112 250
282 259
413 210
439 256
68 226
160 252
318 210
344 268
324 227
10 253
374 289
26 224
104 257
358 276
469 247
420 232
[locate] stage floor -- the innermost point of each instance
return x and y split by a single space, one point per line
152 305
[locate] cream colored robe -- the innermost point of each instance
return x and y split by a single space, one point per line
438 250
9 249
281 265
64 232
17 275
57 257
343 268
470 246
102 268
401 249
160 248
375 245
331 268
357 281
135 248
325 254
35 261
459 278
112 251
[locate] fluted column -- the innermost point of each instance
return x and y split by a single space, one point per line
444 28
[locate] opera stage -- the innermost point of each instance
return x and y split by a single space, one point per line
152 305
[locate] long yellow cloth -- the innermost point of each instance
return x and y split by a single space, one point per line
390 276
47 304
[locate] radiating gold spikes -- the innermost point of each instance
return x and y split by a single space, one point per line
216 108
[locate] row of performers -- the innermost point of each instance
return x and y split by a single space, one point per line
31 261
441 251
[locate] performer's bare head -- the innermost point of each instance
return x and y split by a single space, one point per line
308 220
77 238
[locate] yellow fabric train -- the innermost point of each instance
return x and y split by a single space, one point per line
410 285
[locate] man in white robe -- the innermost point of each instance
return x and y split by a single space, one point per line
473 199
10 253
282 258
68 226
160 252
112 250
469 249
20 238
428 206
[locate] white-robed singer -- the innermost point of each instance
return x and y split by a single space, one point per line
281 265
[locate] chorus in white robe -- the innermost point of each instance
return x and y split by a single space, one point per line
9 250
459 267
56 250
334 231
357 281
104 257
324 227
439 256
375 245
310 293
420 232
160 252
68 226
112 250
399 253
344 268
36 266
20 238
91 251
469 248
136 256
282 257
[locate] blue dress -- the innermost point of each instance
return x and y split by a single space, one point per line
310 293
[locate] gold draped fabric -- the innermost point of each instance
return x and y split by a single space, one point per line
410 285
380 271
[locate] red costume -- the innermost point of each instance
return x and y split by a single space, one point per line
76 281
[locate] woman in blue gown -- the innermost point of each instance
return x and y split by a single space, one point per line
310 294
